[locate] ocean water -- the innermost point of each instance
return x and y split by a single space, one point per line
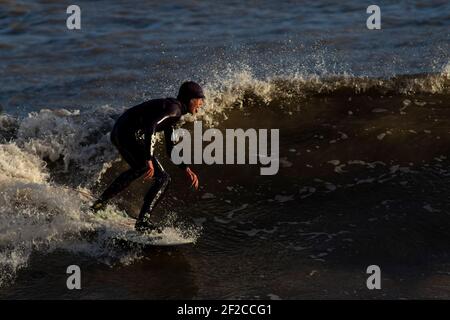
364 120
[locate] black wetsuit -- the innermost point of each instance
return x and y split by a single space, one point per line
134 135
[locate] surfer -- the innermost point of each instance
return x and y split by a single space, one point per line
133 135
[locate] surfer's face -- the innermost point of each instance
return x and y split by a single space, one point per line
195 104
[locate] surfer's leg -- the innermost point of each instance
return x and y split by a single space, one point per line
132 154
151 199
118 185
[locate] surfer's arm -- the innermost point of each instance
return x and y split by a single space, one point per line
168 134
149 141
163 120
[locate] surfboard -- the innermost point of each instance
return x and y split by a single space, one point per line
130 237
119 230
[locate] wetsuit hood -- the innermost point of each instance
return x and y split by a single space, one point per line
189 90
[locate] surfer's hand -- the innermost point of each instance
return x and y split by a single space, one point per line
150 171
191 175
